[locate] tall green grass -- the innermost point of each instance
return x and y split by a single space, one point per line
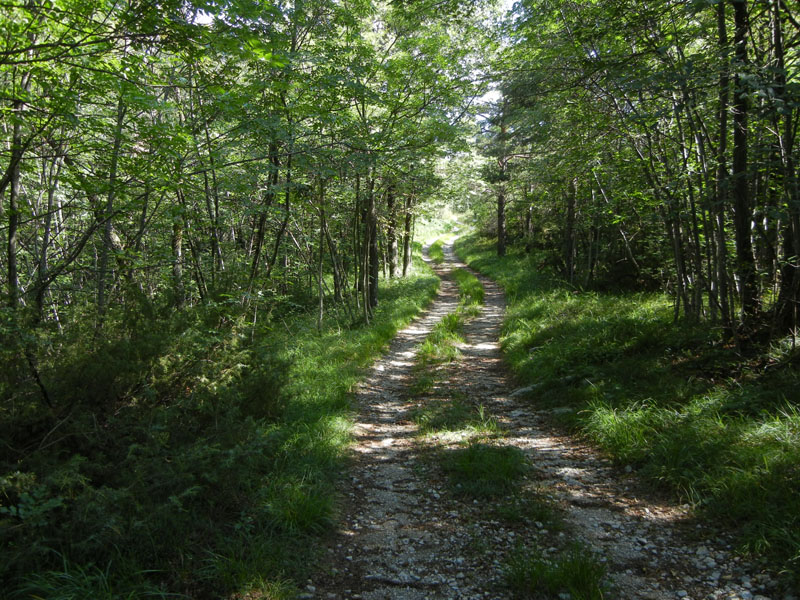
718 430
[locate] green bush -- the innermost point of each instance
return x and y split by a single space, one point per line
192 455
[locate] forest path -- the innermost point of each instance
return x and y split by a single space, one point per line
405 536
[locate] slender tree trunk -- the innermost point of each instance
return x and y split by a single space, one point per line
786 312
177 262
211 188
272 182
108 242
569 231
722 172
528 220
743 213
695 257
202 289
501 189
41 277
287 213
675 237
357 237
593 244
217 229
382 252
322 227
501 220
339 274
17 150
391 233
623 235
407 235
372 247
13 207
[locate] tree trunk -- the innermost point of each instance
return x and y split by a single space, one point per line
13 206
357 238
202 288
501 220
323 224
339 274
391 233
786 312
528 221
212 196
17 150
287 213
41 277
108 242
569 231
502 163
177 262
745 261
262 218
722 173
372 246
407 235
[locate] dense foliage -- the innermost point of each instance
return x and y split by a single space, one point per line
207 215
198 201
653 144
645 218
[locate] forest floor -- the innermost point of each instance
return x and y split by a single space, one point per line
406 532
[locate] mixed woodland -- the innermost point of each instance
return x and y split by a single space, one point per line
211 216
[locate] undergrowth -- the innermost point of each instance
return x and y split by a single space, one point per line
717 429
193 455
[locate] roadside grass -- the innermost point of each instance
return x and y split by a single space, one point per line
484 471
214 475
575 571
75 581
694 417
